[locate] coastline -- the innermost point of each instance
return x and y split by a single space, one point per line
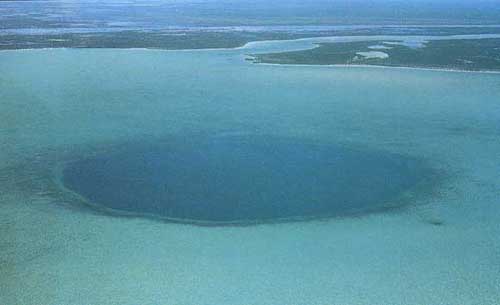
249 57
385 67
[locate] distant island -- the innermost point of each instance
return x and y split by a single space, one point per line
207 37
455 54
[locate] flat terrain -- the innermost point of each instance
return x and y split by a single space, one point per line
171 40
458 54
201 37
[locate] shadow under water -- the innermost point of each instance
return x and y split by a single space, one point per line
242 180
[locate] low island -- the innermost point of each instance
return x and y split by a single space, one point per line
455 54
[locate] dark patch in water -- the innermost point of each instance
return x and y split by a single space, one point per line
242 180
435 222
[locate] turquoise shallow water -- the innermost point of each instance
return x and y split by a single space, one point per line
62 106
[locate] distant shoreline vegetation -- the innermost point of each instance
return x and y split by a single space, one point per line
453 54
207 38
166 40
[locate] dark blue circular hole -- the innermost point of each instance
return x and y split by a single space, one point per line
244 179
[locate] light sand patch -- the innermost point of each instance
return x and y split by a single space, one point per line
373 54
57 39
379 47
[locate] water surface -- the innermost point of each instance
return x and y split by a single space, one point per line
64 104
242 179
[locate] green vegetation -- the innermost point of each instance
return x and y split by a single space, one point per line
471 55
140 39
200 38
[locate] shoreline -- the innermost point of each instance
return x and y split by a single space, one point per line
238 28
248 58
383 67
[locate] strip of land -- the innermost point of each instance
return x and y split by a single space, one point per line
139 39
455 54
201 38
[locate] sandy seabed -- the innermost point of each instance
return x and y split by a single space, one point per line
58 105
